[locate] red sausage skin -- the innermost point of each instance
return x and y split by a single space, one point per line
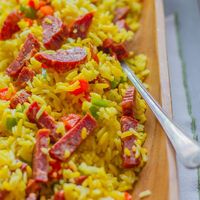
40 158
72 140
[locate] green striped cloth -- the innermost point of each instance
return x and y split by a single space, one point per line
181 105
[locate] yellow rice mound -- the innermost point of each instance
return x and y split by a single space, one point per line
99 157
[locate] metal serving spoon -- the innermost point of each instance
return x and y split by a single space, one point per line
186 149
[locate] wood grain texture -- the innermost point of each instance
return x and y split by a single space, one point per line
166 95
159 174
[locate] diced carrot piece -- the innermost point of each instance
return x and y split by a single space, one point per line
46 10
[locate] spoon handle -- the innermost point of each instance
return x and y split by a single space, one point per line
186 149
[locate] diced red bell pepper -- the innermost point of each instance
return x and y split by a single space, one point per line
70 121
55 172
59 195
41 3
31 3
127 196
83 88
86 97
3 93
55 164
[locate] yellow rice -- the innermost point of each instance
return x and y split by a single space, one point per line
99 157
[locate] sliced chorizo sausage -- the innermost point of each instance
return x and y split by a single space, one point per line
64 148
54 32
24 76
80 26
128 155
44 121
121 13
20 98
10 25
40 156
128 102
63 60
30 47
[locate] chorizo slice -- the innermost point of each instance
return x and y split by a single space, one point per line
64 148
20 98
54 32
32 112
121 24
128 102
32 187
32 196
44 121
3 194
30 47
118 50
60 195
63 60
80 26
128 155
40 156
121 13
10 25
24 76
128 122
129 160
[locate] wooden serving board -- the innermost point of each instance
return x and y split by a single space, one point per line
159 175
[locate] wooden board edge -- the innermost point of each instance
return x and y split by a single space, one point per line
166 94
